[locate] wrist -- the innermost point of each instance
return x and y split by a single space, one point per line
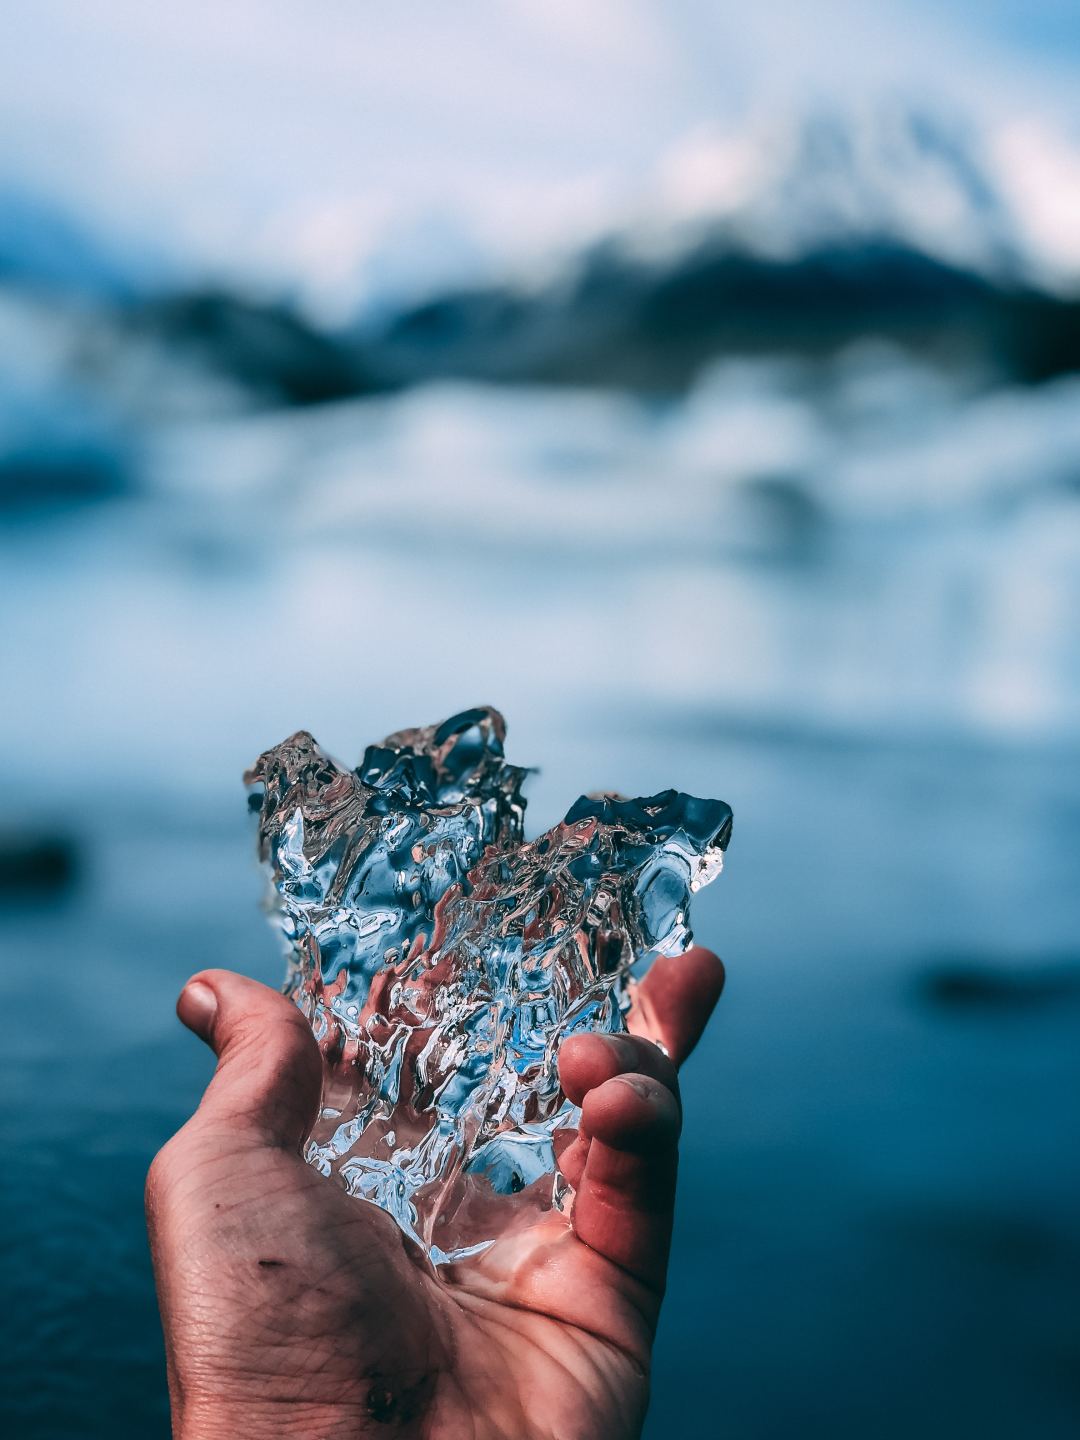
293 1419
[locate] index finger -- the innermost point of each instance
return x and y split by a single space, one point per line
672 1004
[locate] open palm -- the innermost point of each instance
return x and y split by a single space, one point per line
292 1309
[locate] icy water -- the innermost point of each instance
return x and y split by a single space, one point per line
843 601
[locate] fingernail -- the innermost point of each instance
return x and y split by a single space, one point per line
197 1007
625 1046
638 1083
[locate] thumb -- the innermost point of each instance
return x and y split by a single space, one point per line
268 1079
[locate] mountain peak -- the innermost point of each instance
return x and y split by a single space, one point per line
786 185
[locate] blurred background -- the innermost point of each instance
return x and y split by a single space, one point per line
700 387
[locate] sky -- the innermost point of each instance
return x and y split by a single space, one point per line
341 148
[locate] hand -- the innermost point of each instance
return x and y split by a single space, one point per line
292 1309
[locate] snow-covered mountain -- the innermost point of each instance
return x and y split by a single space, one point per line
1001 200
783 237
789 238
783 188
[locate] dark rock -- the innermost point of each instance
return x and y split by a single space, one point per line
50 478
36 866
268 347
652 327
970 985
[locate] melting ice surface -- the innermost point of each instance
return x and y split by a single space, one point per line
442 959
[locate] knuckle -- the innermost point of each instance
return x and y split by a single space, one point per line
164 1169
657 1063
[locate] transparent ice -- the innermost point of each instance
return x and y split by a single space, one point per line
441 959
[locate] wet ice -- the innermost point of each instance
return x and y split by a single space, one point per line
441 959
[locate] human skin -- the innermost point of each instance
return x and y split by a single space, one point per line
292 1309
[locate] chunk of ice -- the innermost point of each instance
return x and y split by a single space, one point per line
441 959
